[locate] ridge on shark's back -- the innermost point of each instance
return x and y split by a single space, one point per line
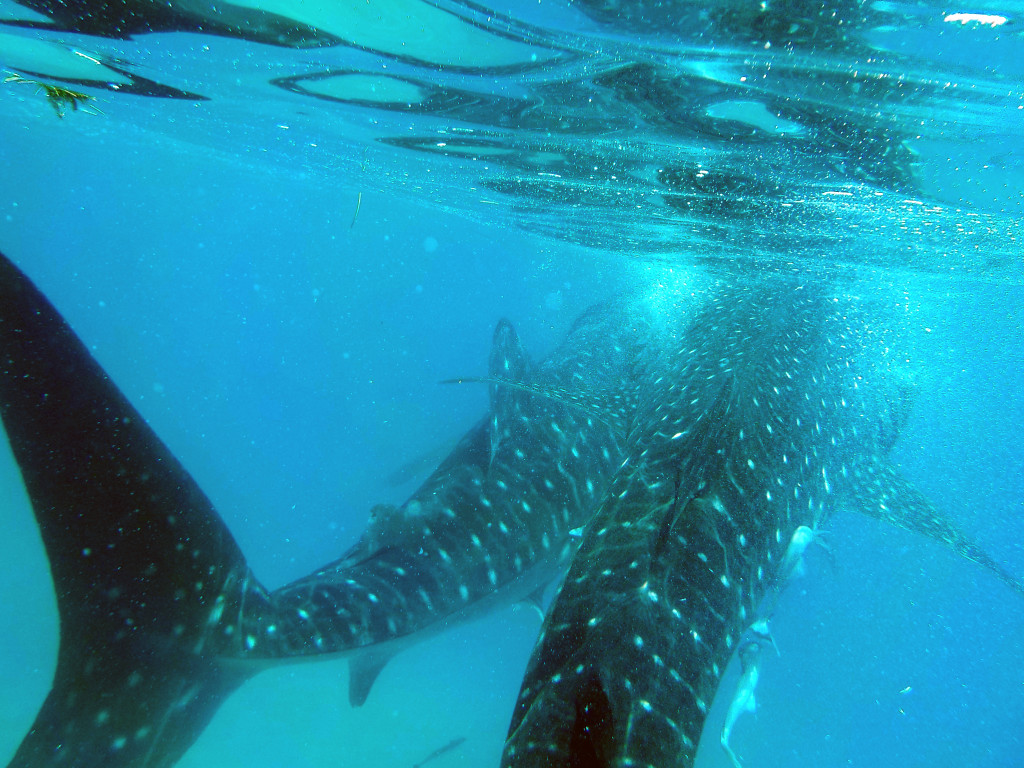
161 618
776 403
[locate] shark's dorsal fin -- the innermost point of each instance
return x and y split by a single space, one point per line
594 405
149 582
508 361
508 375
882 492
363 672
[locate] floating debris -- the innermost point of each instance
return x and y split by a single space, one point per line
441 750
60 98
359 204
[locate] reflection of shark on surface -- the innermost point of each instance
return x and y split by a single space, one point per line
161 618
775 404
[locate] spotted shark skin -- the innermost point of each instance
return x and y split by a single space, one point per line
778 403
143 567
161 618
489 527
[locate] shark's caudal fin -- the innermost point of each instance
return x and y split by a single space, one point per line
149 582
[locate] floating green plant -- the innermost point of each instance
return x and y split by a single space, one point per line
60 98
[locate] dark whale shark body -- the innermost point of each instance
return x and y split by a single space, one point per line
774 405
687 444
161 618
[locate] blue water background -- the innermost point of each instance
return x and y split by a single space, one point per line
292 361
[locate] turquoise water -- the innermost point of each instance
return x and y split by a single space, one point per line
278 281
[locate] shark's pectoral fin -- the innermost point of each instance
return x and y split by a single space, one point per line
882 492
570 725
363 672
150 585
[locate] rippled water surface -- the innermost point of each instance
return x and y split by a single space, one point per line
855 133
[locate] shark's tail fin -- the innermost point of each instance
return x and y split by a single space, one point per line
150 585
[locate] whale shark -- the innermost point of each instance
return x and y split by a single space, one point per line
773 407
161 618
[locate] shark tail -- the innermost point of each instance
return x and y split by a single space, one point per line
150 585
883 493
